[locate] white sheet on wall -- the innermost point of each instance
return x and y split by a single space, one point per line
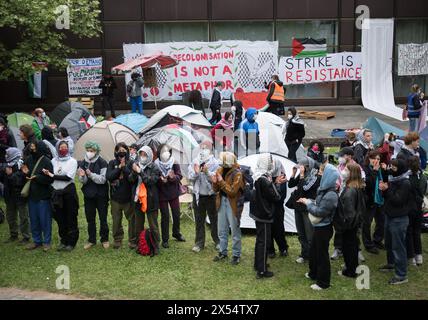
376 80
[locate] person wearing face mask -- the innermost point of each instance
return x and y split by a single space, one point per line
348 218
118 172
222 133
144 179
64 197
92 174
316 151
201 171
64 136
40 121
294 131
249 132
397 208
133 152
7 140
39 205
307 184
169 192
228 183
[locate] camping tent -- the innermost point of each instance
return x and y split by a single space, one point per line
76 123
134 121
173 114
107 134
289 223
17 119
63 109
271 137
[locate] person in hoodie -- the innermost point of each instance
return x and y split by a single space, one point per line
228 183
321 213
397 208
276 96
262 210
316 152
16 206
7 140
64 136
145 175
39 204
169 193
92 175
118 172
418 182
64 197
363 146
294 131
307 184
50 141
201 171
348 218
249 132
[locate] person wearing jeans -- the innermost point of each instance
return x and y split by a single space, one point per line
228 183
133 91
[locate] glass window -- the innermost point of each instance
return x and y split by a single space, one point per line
176 31
317 29
242 30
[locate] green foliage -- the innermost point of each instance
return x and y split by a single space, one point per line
39 39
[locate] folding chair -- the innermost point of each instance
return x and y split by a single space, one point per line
187 198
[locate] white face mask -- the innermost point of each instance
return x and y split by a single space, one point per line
233 109
345 175
255 117
144 160
290 116
165 156
90 155
342 160
44 115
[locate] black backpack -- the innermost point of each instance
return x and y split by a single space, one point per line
341 222
249 183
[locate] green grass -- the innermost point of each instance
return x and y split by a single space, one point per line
178 273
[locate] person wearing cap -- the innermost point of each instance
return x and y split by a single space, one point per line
215 103
108 85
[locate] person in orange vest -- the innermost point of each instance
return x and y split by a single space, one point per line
276 96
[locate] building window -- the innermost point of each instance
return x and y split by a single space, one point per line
175 32
242 30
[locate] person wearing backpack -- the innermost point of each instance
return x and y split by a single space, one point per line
228 183
92 175
321 212
418 182
348 217
307 184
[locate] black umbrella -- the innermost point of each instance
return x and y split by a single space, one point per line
63 109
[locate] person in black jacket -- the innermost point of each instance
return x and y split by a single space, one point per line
397 208
196 102
307 183
263 209
410 148
294 133
7 139
26 133
92 174
39 204
118 172
146 173
108 85
13 180
276 96
215 103
237 111
363 146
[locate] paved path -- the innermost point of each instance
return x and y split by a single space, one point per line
18 294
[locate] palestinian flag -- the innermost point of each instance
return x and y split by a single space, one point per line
308 47
38 81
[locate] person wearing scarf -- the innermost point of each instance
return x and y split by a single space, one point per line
222 132
118 172
307 184
146 174
39 205
92 175
262 210
201 171
397 208
363 146
294 131
169 192
64 197
16 206
409 150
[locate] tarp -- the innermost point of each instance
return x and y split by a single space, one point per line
289 222
107 134
17 119
146 61
271 137
76 123
252 100
134 121
190 115
376 81
63 109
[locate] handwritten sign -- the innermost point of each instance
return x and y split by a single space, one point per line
84 76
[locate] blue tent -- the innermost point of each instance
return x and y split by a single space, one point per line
133 121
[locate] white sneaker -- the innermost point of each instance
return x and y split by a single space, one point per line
217 247
88 245
196 249
361 257
337 253
300 260
419 259
307 276
316 287
412 262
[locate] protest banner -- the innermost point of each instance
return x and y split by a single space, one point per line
84 76
242 65
412 59
333 67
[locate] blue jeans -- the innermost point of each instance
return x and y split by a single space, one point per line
225 220
413 124
136 102
40 221
395 243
